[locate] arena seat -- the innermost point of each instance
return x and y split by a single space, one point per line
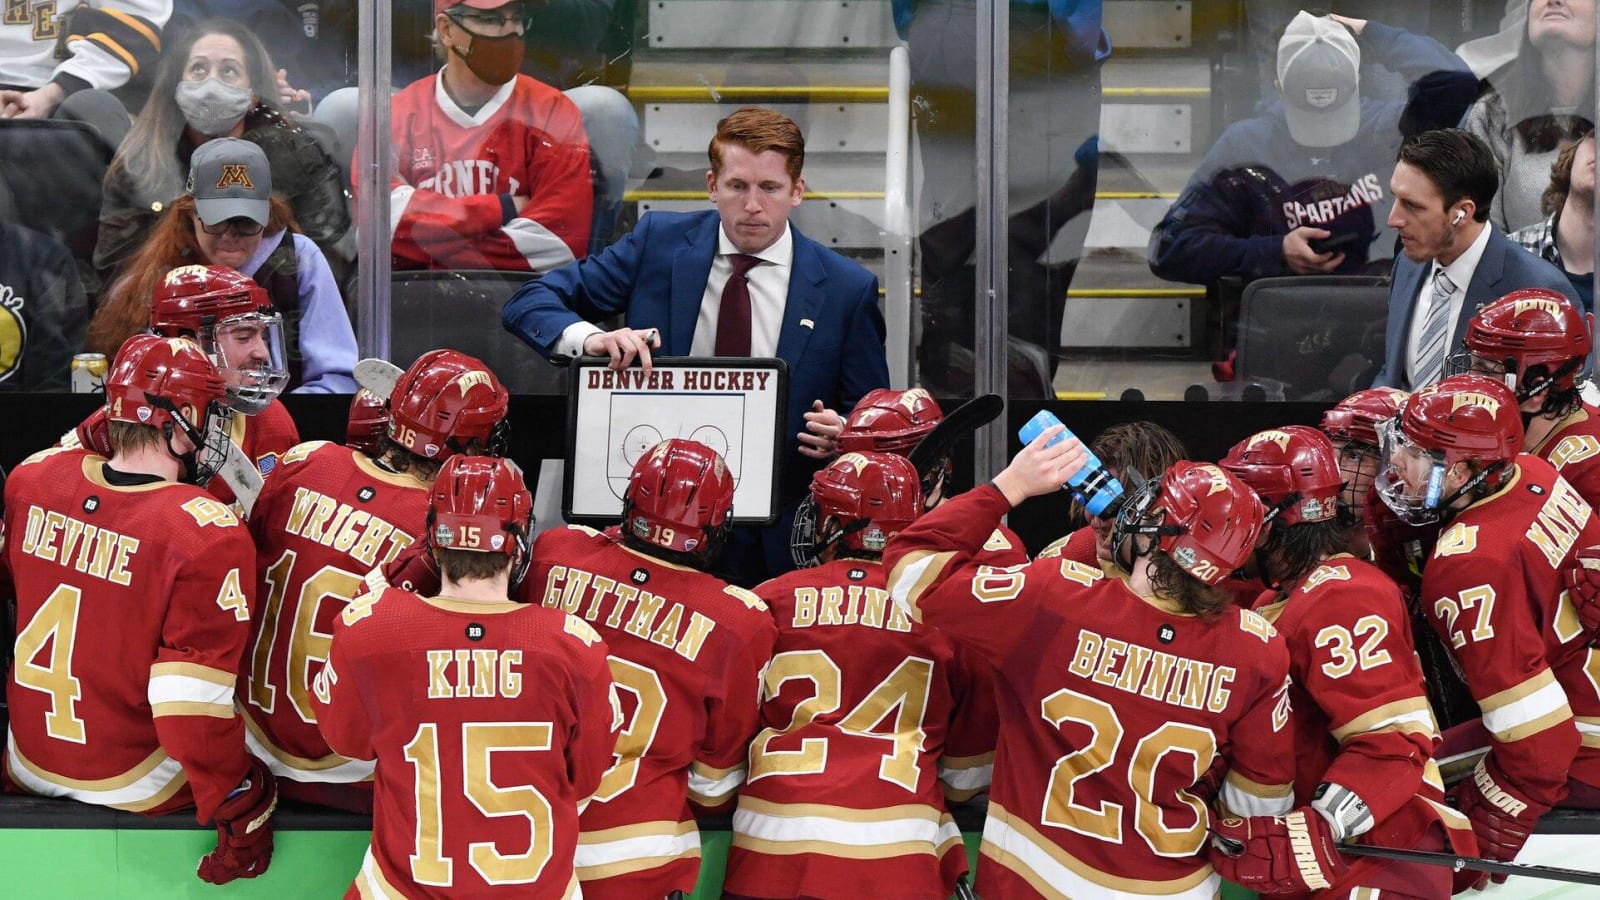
53 169
1318 336
462 310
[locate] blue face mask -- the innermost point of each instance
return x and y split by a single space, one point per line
211 107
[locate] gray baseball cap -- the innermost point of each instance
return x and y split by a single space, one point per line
228 178
1318 66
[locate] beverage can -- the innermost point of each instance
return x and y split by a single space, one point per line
89 373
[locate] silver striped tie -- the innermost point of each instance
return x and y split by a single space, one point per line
1432 348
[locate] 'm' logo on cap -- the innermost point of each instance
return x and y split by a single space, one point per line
235 175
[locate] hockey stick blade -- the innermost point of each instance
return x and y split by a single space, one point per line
241 477
962 421
1457 863
378 376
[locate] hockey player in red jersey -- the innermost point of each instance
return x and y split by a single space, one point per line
1493 592
890 421
367 424
491 167
860 705
234 322
491 721
1352 426
1118 693
687 652
326 518
1125 448
1536 342
134 595
1364 737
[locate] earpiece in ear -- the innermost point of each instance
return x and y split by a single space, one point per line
1460 214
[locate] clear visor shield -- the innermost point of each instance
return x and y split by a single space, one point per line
250 354
1410 478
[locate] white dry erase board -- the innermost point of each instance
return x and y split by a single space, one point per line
734 406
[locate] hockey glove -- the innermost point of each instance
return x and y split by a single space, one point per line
1583 587
414 570
244 829
1501 821
1290 854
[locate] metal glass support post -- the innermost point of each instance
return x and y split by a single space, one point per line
372 177
897 299
991 303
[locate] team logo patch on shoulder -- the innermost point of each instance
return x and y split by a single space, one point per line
91 503
366 493
475 631
640 575
267 463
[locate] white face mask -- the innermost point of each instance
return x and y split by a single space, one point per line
211 107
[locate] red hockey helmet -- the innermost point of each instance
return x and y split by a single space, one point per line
1356 418
445 401
1293 470
482 504
1201 516
1528 329
888 421
870 497
1464 418
170 385
367 424
235 323
680 498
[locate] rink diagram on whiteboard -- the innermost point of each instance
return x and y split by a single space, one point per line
637 422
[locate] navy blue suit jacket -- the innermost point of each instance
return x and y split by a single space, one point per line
832 334
1505 267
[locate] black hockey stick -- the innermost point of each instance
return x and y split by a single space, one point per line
1456 863
964 889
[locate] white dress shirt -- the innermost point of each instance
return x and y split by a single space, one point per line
1460 272
769 294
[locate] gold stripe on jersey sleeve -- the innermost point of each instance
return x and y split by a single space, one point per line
929 564
194 670
572 888
1257 789
1589 728
1515 713
330 761
1431 775
1532 727
114 783
666 832
370 882
1411 715
1518 691
836 851
843 813
192 708
1060 856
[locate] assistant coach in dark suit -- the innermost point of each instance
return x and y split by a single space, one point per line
1453 261
735 281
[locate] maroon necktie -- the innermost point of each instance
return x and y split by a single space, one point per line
733 318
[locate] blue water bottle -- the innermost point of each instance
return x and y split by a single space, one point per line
1094 486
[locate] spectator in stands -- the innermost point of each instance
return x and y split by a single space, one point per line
230 217
1543 100
1264 26
42 307
216 81
1454 261
1310 172
313 41
735 281
1052 166
50 52
491 166
1565 239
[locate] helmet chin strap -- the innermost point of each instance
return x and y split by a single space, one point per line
1472 484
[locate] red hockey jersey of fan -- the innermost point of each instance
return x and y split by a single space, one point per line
1493 593
133 608
491 724
264 438
843 797
456 172
1573 448
325 518
1360 711
1112 705
687 651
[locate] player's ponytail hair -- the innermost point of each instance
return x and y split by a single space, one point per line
1293 551
126 310
1192 595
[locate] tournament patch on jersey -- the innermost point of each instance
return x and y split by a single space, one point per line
267 463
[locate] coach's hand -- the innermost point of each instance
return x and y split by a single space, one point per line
623 345
244 829
822 432
1290 854
1301 259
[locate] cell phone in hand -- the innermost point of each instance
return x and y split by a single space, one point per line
1334 242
